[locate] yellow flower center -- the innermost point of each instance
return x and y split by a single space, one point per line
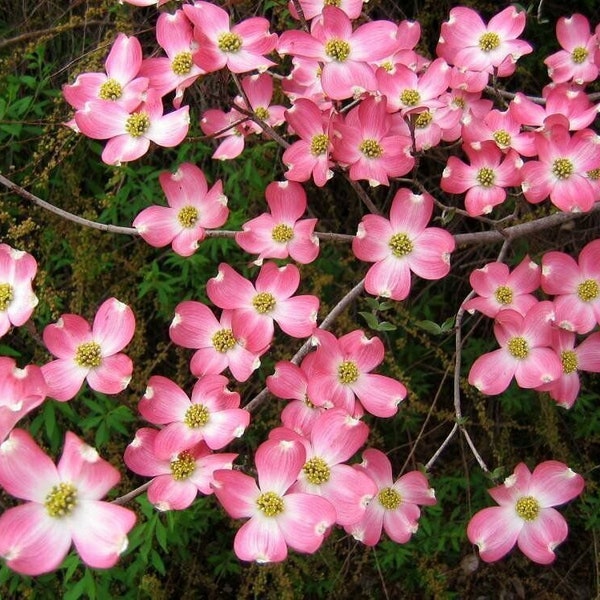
338 50
263 302
6 295
423 119
110 90
282 233
61 500
196 416
401 245
371 148
518 347
579 54
569 361
319 144
528 508
137 124
389 498
223 340
486 177
410 97
187 216
459 102
502 137
594 174
182 63
348 372
88 355
489 41
316 471
332 2
183 466
262 113
503 294
229 42
270 503
562 168
588 290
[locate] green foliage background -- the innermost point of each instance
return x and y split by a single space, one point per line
44 45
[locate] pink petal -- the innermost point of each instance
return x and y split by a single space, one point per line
112 376
165 493
278 463
31 542
64 378
380 395
495 531
260 540
538 538
237 492
553 483
114 325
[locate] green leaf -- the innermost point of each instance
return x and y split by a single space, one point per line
385 326
8 351
430 327
371 320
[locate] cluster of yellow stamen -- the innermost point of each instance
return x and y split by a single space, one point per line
594 174
348 372
371 148
282 233
88 355
183 466
332 2
61 500
229 42
196 416
262 113
316 471
338 50
319 144
502 137
503 294
110 90
562 168
264 302
489 41
223 340
137 124
486 177
187 216
518 347
528 508
569 361
579 54
182 63
423 119
389 498
400 245
270 503
6 295
588 290
410 97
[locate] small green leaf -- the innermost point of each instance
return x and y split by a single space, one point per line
371 320
430 326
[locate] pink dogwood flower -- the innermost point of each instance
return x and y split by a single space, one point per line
576 59
219 343
63 506
402 245
576 285
21 390
278 516
90 353
526 516
177 70
583 357
499 288
240 48
525 352
365 143
193 208
345 54
334 438
121 84
314 8
259 91
309 156
129 133
176 479
341 373
231 127
395 508
485 180
467 42
269 300
212 414
17 300
281 233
